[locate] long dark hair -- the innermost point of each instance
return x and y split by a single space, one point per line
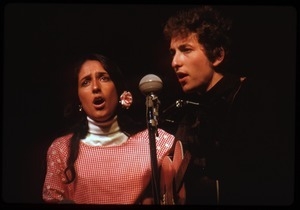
77 120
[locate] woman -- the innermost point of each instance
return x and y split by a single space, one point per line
104 158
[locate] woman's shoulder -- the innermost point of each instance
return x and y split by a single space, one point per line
163 137
163 132
159 130
61 141
58 150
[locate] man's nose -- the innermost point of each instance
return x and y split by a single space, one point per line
175 62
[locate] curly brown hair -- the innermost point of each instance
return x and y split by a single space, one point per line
213 30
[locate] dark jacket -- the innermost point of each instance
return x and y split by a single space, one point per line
238 154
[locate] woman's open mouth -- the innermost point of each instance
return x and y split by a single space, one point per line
99 102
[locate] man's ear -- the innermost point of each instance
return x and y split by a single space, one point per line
220 56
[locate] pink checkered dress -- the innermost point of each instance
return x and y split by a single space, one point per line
105 175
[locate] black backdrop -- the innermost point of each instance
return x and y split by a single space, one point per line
40 41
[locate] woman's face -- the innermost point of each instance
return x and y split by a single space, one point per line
97 92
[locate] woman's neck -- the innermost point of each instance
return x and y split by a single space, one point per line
108 134
107 127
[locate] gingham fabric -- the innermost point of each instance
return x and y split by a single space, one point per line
105 175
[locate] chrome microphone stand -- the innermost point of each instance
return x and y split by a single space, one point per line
152 105
149 86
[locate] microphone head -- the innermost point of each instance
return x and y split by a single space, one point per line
150 83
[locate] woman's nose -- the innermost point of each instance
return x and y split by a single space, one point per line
96 87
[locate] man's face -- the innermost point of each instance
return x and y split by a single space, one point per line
194 71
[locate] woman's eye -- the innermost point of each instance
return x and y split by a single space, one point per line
85 82
104 78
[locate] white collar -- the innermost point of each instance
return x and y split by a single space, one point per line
100 129
99 135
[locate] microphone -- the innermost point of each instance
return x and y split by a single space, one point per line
150 84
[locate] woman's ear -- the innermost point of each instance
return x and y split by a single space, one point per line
220 54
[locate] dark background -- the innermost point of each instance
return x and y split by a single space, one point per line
41 40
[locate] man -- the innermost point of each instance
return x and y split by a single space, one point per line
230 130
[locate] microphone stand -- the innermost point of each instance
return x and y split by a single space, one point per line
175 107
152 104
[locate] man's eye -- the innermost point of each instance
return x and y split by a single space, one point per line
172 52
186 50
